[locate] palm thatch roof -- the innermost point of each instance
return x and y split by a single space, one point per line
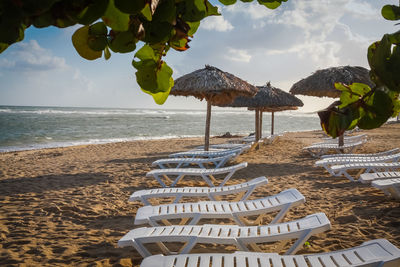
322 82
268 99
212 84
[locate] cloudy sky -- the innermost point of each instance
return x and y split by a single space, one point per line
254 43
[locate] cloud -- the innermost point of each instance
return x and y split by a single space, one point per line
238 55
29 56
216 23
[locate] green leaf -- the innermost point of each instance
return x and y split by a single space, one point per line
107 53
195 10
146 53
270 4
129 6
227 2
122 42
10 23
211 10
163 78
79 40
97 36
391 12
146 12
193 27
157 32
43 20
92 12
3 47
115 19
166 12
246 1
378 109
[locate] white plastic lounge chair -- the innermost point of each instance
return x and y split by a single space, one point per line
213 193
383 153
242 237
374 253
354 138
389 187
207 154
199 162
363 167
227 146
206 174
367 178
236 211
317 150
328 162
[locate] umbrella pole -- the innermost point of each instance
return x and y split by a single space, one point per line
341 142
272 122
257 126
261 119
207 133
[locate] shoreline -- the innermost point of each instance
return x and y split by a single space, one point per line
69 206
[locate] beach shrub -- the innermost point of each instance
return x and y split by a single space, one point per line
118 25
361 105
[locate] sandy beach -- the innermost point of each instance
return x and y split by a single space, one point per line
69 206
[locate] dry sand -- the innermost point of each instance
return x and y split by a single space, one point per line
68 206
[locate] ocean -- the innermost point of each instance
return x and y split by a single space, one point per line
26 128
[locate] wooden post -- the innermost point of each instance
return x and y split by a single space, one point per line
257 126
341 140
272 122
261 119
207 133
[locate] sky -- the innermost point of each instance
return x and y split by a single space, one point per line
257 44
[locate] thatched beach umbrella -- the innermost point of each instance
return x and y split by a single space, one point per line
214 85
322 82
267 99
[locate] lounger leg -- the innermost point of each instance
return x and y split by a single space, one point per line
227 177
207 180
188 246
297 245
141 249
177 180
248 193
243 247
160 181
145 201
195 220
163 248
177 198
240 197
348 176
281 214
239 221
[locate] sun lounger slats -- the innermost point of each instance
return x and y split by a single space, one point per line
374 253
207 154
206 174
383 153
216 162
317 150
327 163
389 186
281 202
369 177
241 236
363 167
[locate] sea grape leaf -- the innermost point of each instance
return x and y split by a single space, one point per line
122 42
129 6
271 4
3 47
211 10
227 2
195 10
193 27
10 23
97 36
165 11
146 53
246 1
384 67
34 7
180 45
391 12
93 12
351 93
164 75
115 19
378 109
45 19
146 12
157 32
79 40
394 38
107 53
146 77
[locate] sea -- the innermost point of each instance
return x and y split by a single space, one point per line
27 128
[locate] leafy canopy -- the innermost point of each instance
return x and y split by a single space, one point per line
361 105
117 26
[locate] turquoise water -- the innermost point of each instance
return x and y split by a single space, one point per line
23 128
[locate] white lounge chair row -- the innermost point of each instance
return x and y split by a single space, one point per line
243 237
174 175
317 150
192 213
374 253
242 190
